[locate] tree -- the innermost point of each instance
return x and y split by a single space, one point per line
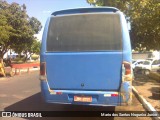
35 24
144 17
6 30
32 48
17 29
35 49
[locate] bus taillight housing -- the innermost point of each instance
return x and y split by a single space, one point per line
127 68
43 71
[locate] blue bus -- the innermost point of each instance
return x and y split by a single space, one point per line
85 58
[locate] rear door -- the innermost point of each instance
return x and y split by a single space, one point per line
84 52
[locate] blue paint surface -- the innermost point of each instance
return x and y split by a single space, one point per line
67 96
96 70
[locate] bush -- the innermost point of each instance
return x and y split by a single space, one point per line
19 60
34 57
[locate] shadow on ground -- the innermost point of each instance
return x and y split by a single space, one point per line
155 93
155 89
35 103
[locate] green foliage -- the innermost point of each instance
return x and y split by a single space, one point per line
17 29
145 21
35 24
35 47
35 57
31 48
19 60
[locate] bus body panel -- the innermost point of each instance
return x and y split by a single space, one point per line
99 98
84 71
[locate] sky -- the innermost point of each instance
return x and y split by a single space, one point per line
41 9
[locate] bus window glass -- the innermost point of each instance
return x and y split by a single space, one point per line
84 32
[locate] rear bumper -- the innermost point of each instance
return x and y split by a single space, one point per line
99 98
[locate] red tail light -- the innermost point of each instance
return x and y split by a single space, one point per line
58 93
127 67
43 71
114 95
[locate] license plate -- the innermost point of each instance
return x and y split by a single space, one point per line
82 98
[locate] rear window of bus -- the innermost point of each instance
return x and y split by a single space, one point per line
84 32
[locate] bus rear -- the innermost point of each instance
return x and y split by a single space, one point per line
86 58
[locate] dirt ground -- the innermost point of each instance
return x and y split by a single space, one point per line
146 87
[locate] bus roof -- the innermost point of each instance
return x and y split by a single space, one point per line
85 10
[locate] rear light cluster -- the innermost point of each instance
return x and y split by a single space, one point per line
55 93
43 77
126 68
114 95
42 71
111 95
58 93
